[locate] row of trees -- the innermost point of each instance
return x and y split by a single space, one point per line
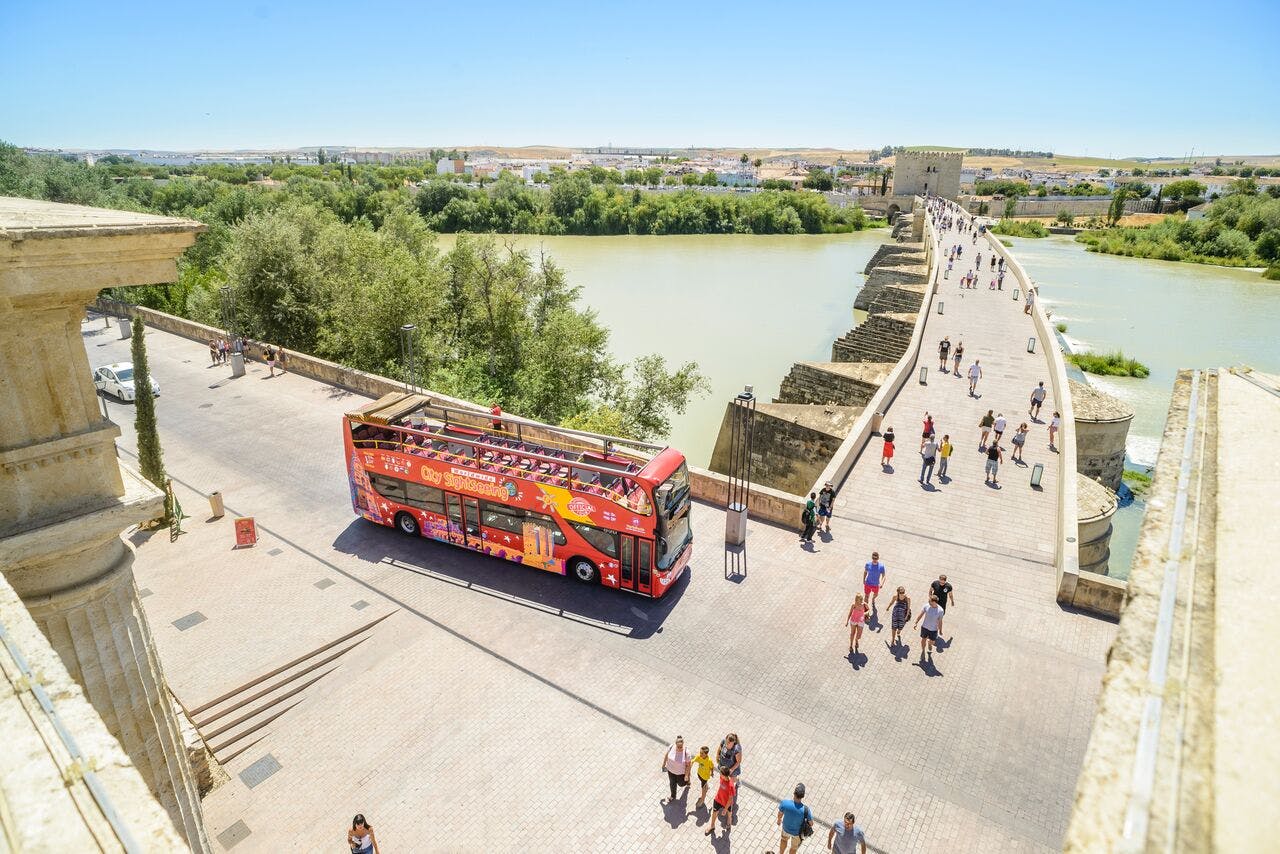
334 268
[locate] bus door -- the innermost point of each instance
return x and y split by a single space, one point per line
468 529
636 565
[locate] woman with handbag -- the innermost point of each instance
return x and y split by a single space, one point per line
675 761
900 613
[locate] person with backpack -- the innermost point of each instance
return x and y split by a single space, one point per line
808 518
796 821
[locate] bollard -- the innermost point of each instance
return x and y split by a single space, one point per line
215 504
924 375
877 419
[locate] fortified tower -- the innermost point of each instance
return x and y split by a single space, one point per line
921 173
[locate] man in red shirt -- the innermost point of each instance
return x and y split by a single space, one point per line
724 797
496 412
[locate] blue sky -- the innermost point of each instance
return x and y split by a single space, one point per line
1100 78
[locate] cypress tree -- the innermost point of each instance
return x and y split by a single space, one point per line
150 459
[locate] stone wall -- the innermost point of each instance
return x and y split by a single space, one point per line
842 383
904 268
880 338
921 173
1102 429
1096 506
1075 205
791 443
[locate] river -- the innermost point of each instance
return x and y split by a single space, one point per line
1167 315
744 307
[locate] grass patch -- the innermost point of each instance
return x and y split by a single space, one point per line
1004 242
1020 228
1113 364
1060 326
1138 482
1272 273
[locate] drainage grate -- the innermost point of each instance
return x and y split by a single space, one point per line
360 605
259 771
325 582
195 618
205 406
275 552
234 834
144 593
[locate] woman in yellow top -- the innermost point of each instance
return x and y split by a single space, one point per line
944 451
704 765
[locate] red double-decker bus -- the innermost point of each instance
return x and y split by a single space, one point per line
595 507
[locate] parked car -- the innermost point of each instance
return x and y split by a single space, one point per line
117 379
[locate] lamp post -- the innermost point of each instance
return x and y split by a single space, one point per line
228 295
742 427
406 357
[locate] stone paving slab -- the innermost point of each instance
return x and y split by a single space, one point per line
499 709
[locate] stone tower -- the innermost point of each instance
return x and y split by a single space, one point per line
64 497
923 173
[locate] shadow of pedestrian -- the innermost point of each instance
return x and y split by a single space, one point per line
676 812
721 843
941 643
873 621
825 536
944 479
807 546
887 468
993 484
926 664
857 660
899 650
928 487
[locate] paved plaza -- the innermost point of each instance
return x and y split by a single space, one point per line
499 709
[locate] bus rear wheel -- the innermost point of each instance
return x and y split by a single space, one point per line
584 570
406 524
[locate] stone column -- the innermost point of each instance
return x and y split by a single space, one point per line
64 498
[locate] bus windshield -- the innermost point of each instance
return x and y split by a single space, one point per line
672 500
672 491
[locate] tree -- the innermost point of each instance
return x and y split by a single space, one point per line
1117 206
1011 207
818 179
744 159
150 458
320 156
1066 217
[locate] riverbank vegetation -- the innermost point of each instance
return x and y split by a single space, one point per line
1113 364
1020 228
334 268
1241 229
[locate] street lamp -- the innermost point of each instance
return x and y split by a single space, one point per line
228 295
406 356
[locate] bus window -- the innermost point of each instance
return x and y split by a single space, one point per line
626 561
547 522
510 519
388 487
605 541
426 497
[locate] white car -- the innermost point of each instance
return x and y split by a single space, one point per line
117 379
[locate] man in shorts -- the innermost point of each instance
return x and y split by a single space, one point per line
997 428
975 374
725 794
1037 400
872 578
846 837
792 814
942 589
932 617
826 498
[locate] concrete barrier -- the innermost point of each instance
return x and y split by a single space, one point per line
1066 554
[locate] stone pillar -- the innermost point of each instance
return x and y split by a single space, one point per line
1095 505
1102 427
64 498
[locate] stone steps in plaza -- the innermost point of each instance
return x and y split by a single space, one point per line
238 719
881 338
898 298
901 270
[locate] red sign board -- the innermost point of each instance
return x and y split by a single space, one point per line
246 531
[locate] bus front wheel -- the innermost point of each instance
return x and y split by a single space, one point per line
584 570
406 524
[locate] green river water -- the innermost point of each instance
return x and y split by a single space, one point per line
746 307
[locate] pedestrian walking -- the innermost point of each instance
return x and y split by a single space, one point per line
886 456
856 620
872 577
977 261
928 456
1019 439
944 592
796 821
1037 400
1000 280
993 261
846 837
998 427
809 518
729 760
270 355
959 353
995 456
726 794
704 765
826 498
213 350
280 359
926 429
899 613
1031 299
946 274
944 455
225 346
931 614
1054 423
675 761
360 837
495 417
944 350
975 374
985 426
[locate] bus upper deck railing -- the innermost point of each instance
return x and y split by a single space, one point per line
512 458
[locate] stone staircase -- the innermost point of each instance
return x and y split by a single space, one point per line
839 383
237 720
882 338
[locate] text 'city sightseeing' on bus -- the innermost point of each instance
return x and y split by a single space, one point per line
565 501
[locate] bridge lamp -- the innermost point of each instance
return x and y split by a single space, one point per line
1037 474
1016 292
940 303
924 375
1031 345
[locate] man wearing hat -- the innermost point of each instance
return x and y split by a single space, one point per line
794 818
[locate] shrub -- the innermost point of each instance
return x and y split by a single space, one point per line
1113 364
1020 228
1060 326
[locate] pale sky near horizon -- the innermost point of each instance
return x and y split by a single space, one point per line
1090 77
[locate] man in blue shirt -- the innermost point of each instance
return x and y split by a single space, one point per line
847 837
791 817
872 578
